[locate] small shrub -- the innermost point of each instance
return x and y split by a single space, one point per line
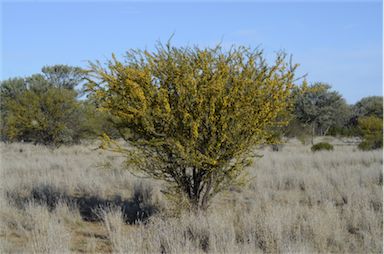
322 146
372 133
367 145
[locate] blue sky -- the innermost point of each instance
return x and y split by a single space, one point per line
335 42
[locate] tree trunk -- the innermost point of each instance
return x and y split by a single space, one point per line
326 131
201 193
313 134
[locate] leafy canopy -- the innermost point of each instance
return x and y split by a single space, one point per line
369 106
64 76
42 108
193 115
320 108
372 132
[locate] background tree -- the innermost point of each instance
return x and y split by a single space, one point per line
372 132
39 110
369 106
192 116
320 108
10 89
95 123
48 118
64 76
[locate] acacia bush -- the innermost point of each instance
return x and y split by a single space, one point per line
192 116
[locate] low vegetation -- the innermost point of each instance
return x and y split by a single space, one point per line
322 146
79 199
372 131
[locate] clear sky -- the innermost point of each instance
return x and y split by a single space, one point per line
338 42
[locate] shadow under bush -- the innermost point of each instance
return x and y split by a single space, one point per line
138 208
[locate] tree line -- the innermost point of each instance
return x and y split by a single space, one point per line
52 108
319 111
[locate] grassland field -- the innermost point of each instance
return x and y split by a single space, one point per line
80 199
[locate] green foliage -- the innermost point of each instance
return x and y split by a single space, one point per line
366 145
346 130
37 110
296 129
320 108
64 76
372 132
94 122
9 89
369 106
47 118
193 115
322 146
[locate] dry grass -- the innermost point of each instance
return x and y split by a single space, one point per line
76 199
